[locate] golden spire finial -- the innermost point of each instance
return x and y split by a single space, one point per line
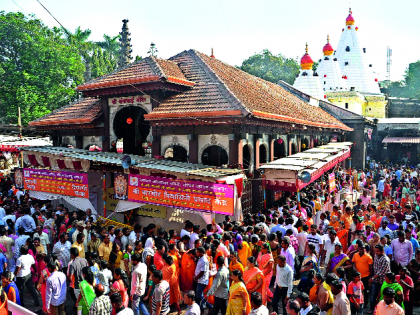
212 55
306 48
328 38
350 11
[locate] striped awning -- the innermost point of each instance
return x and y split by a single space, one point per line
408 140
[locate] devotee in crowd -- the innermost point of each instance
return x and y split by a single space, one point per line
308 256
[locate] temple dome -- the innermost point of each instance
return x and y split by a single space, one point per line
306 61
350 19
328 50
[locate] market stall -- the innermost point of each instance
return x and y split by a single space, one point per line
296 171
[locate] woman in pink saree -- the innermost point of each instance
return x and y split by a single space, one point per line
266 261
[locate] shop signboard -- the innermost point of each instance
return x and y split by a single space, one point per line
183 194
152 211
56 182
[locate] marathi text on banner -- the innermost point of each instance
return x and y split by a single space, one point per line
56 182
184 194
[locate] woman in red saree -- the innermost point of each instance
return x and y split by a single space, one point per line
254 279
187 271
266 262
170 275
343 235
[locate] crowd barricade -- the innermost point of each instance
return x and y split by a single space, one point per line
18 310
105 222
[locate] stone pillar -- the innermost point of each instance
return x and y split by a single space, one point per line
272 150
193 148
257 154
105 138
240 152
234 149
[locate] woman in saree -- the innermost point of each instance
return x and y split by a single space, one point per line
244 251
40 256
173 252
121 285
149 251
338 259
170 275
239 303
42 283
390 282
266 262
10 287
34 268
310 261
87 292
313 292
375 240
254 279
235 264
115 257
343 235
187 270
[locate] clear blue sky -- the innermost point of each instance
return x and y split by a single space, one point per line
237 29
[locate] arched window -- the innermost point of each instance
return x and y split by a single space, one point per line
176 153
214 155
246 156
279 149
263 154
294 148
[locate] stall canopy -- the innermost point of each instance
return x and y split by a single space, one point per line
14 143
78 203
283 174
408 140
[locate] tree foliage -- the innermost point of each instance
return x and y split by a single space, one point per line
410 86
270 67
40 72
40 66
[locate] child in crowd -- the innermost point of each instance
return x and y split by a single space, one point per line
355 292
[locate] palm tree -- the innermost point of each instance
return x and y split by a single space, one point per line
80 40
110 44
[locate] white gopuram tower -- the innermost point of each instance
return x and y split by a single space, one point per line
307 81
354 68
329 71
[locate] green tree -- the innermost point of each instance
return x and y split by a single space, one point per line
412 80
110 44
79 39
40 71
270 67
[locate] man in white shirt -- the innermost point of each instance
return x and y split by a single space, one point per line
194 236
305 304
193 308
262 225
284 283
24 276
257 305
329 246
302 237
288 252
44 238
289 225
187 229
135 235
315 239
80 228
138 285
105 276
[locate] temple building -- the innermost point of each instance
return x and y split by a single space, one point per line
193 108
308 81
346 77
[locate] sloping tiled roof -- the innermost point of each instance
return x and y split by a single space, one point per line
81 112
223 88
150 69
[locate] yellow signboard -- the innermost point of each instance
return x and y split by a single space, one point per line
111 202
152 211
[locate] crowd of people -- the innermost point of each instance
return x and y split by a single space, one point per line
323 254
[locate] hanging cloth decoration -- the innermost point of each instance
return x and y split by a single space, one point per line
239 182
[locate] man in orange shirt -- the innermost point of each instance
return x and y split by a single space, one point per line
347 218
364 264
